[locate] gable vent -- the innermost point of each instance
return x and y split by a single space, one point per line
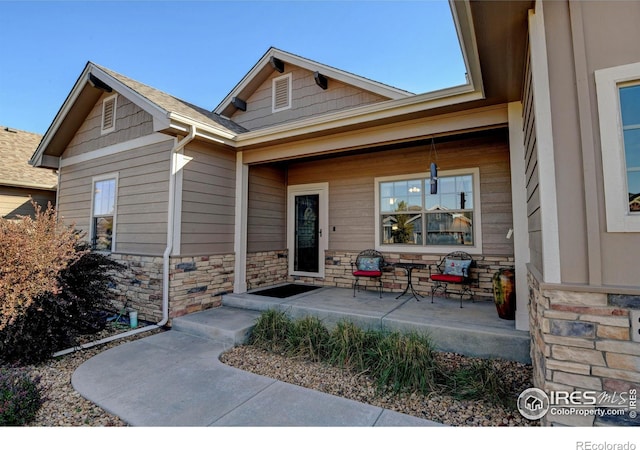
109 114
282 93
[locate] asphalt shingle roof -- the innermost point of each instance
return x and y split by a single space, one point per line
173 104
16 148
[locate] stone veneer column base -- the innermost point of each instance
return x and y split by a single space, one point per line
195 283
581 341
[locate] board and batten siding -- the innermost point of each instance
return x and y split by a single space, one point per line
208 201
352 187
16 202
308 99
131 122
143 184
267 216
531 170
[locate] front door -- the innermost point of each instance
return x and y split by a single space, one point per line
307 224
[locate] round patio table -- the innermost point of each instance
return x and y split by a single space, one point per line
409 268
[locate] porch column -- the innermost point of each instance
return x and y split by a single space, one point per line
519 207
240 232
545 150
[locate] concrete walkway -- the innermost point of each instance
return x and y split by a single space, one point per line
176 379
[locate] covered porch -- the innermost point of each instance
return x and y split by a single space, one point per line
473 330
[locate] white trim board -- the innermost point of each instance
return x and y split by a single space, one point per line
143 141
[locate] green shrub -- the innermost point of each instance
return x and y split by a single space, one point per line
271 331
20 398
406 362
54 321
350 345
309 338
399 362
480 380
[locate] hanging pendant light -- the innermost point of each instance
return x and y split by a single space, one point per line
433 169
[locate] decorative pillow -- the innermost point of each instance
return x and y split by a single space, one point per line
457 267
369 264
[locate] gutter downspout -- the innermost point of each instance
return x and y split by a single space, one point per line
178 146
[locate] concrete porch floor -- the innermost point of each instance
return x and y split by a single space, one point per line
473 330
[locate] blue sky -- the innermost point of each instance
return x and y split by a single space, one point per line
198 51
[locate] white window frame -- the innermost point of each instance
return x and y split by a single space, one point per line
608 83
474 249
113 97
273 92
110 176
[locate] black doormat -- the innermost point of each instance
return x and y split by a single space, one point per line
286 290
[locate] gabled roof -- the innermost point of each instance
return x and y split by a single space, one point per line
16 147
263 69
170 114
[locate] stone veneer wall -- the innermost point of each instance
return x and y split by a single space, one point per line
581 341
199 282
139 285
196 283
338 272
267 268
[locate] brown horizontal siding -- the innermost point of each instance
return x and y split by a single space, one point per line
266 221
143 184
308 99
16 202
208 201
352 186
131 122
531 174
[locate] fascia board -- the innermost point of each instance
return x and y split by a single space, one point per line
463 22
36 158
345 77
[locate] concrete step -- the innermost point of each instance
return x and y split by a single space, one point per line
226 325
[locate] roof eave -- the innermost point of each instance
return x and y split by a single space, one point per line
19 184
160 116
181 125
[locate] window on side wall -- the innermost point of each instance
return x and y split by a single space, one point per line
618 90
410 218
103 212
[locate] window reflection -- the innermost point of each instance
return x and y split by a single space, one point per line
408 210
630 110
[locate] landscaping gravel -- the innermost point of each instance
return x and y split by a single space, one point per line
63 406
359 387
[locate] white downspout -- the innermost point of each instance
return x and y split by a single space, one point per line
178 145
171 223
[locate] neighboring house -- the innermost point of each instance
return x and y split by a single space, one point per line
303 165
19 181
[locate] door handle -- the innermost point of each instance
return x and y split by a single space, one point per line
320 232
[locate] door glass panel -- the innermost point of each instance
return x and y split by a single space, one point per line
306 233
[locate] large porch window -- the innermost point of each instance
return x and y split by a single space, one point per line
409 216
